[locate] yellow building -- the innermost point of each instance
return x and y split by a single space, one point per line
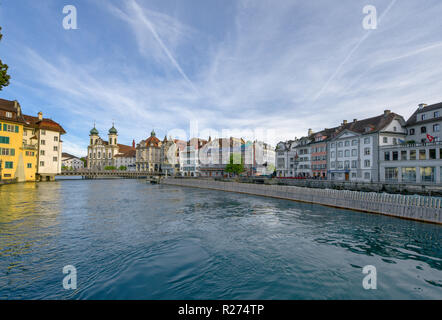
17 158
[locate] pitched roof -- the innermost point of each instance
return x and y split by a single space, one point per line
375 124
413 119
68 155
11 106
122 148
45 124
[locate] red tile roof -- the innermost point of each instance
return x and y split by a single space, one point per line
45 124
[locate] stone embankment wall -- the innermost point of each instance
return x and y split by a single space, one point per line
419 208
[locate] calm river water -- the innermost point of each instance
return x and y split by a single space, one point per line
132 240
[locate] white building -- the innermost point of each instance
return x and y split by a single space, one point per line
418 160
71 162
353 152
48 134
189 157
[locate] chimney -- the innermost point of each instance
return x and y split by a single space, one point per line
387 112
40 116
422 105
133 143
310 132
344 122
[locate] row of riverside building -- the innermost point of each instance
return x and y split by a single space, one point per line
194 158
30 147
385 148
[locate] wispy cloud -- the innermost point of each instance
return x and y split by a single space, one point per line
286 65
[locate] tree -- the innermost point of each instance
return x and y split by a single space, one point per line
4 77
236 164
110 168
122 168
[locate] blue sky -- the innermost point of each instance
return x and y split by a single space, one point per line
244 65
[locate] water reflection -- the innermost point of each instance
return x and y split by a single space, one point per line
129 239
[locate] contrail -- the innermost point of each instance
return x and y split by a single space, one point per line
366 35
150 26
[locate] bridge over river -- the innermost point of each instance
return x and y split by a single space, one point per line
93 174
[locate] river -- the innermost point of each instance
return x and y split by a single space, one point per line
131 240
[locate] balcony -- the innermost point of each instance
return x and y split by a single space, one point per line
26 146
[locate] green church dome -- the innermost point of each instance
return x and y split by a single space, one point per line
113 130
94 131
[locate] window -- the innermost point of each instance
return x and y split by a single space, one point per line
366 140
4 140
424 116
354 152
56 139
347 143
55 148
29 165
42 163
55 159
394 129
427 174
367 151
332 164
387 156
354 142
340 144
423 129
412 154
436 114
394 141
395 156
347 153
432 154
391 174
347 164
422 155
367 163
339 154
43 132
436 128
385 139
332 145
9 165
340 165
43 142
411 132
42 152
408 174
403 155
354 164
332 154
10 128
92 141
367 175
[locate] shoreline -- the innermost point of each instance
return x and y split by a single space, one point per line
420 208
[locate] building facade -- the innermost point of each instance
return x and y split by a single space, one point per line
50 145
71 162
353 152
148 154
110 153
418 159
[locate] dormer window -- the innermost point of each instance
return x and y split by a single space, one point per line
423 117
436 114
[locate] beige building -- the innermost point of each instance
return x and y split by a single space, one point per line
148 154
101 153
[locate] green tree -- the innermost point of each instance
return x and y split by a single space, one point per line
122 168
4 76
236 164
110 168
